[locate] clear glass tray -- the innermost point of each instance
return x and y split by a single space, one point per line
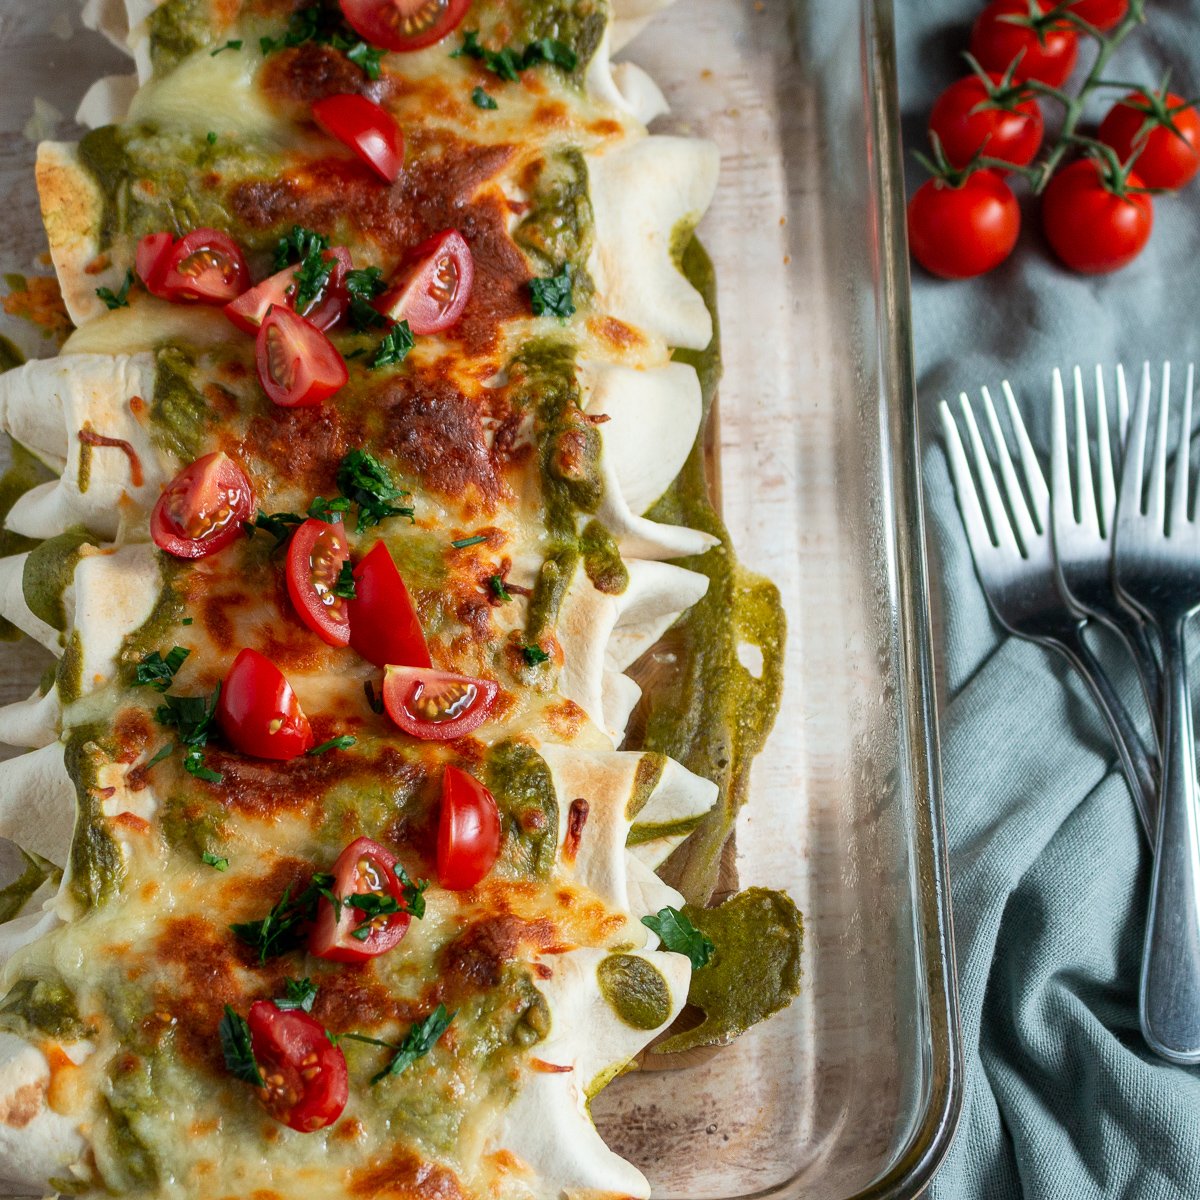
854 1090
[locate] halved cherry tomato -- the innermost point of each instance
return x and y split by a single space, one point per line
1168 157
370 131
258 711
1103 14
1091 229
151 260
433 292
353 935
315 556
967 121
298 365
436 706
468 831
404 24
1002 35
202 509
307 1081
206 267
324 310
384 627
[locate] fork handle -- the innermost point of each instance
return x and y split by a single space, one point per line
1135 762
1170 984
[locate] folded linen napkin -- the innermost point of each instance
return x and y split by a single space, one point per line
1049 870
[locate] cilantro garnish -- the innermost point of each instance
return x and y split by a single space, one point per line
235 45
297 993
364 284
326 27
508 64
211 137
193 717
186 621
310 279
534 655
553 296
498 589
119 299
279 931
165 752
365 480
344 588
326 510
297 245
282 525
678 933
481 99
237 1048
215 861
414 893
156 671
463 543
420 1039
394 347
343 742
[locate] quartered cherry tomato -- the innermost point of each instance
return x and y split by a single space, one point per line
404 24
958 232
205 267
1168 157
202 509
151 260
384 627
1090 228
369 130
298 365
307 1084
1047 53
315 556
436 706
468 831
364 868
258 711
324 310
1103 14
433 292
967 122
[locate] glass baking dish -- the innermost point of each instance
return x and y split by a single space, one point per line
854 1090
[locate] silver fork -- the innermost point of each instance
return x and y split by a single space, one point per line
1018 577
1083 529
1157 568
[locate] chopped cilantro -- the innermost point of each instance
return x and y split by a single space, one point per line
420 1039
344 742
237 1048
156 671
344 588
192 717
679 934
214 861
297 993
364 284
310 278
463 543
414 893
279 931
297 245
234 45
394 347
118 299
212 137
165 752
508 64
326 27
497 588
363 479
280 526
326 510
481 99
534 655
186 621
553 296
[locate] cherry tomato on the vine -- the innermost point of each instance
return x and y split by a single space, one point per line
1103 14
404 24
202 509
258 711
967 122
469 832
314 563
1091 228
1002 35
1167 158
958 232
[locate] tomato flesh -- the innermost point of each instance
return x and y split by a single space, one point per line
258 712
434 291
997 40
469 832
384 626
352 935
202 509
314 562
404 25
436 706
966 123
150 262
958 232
1166 158
324 311
205 267
1090 229
369 130
307 1084
298 366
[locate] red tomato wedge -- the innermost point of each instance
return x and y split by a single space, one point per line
370 131
151 260
433 292
324 311
404 24
384 627
364 868
202 509
298 365
206 267
315 556
306 1077
468 831
258 711
436 706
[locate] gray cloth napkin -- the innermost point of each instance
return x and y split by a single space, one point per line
1049 869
